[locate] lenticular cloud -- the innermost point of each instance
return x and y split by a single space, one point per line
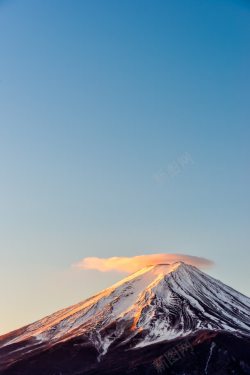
132 264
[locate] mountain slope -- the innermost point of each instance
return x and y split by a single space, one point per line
156 304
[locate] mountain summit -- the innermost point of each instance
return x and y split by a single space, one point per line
157 304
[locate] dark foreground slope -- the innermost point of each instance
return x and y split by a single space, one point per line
204 353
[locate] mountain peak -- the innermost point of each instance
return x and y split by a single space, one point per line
162 269
169 266
157 303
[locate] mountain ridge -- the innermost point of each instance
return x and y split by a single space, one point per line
157 304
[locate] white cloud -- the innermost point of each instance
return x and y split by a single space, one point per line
132 264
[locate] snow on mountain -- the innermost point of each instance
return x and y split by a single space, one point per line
157 303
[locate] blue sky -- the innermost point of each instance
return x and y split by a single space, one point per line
97 100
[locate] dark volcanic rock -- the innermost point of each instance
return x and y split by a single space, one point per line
204 353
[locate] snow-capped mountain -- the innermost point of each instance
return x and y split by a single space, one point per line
155 305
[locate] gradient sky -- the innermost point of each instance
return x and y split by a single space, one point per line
124 130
